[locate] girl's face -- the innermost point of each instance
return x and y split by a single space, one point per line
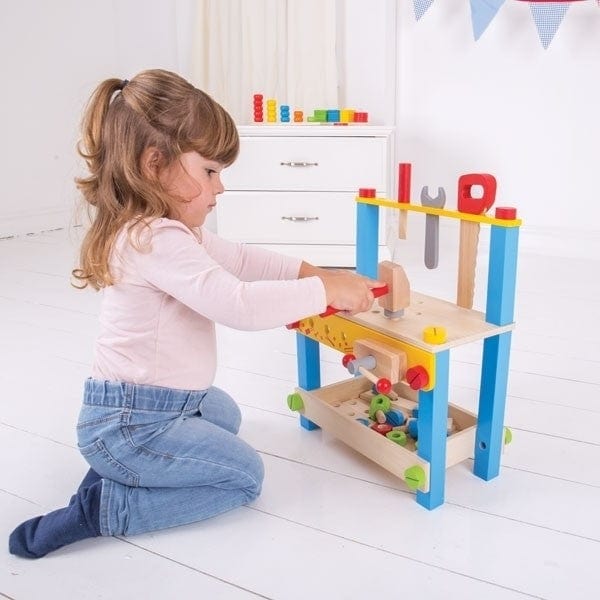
194 182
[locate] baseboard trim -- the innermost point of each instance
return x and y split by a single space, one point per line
24 223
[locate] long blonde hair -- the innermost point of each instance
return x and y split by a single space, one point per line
156 109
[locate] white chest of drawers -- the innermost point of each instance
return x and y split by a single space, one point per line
292 188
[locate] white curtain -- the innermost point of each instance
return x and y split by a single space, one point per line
283 49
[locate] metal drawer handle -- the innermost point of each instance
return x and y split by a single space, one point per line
292 163
296 219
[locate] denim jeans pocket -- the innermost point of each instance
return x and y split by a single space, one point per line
104 463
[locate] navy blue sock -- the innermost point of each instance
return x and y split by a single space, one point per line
80 520
90 477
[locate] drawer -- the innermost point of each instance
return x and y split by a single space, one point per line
287 217
311 164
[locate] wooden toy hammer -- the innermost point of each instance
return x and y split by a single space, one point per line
330 310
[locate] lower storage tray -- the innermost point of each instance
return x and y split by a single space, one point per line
342 409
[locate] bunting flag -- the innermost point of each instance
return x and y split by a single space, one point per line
482 13
547 15
421 7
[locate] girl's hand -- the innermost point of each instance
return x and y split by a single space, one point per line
347 291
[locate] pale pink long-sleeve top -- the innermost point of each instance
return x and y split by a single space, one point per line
157 322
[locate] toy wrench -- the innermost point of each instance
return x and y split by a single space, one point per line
432 226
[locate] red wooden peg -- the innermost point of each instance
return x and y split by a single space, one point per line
383 385
404 173
347 358
367 192
506 212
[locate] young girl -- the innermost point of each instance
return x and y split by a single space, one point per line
159 437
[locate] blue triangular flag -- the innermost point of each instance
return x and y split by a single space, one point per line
421 7
482 13
548 16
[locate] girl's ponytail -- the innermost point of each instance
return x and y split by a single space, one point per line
91 146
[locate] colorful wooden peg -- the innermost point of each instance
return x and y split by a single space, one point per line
404 176
507 213
346 115
380 416
367 192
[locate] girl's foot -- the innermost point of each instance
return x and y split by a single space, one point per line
80 520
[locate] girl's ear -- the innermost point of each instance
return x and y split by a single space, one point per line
151 162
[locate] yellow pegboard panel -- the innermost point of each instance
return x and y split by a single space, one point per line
339 334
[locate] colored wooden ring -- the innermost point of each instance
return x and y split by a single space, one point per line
398 437
379 402
382 428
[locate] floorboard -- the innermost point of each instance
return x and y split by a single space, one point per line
329 523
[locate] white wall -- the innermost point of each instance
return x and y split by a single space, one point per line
501 105
506 106
367 43
52 54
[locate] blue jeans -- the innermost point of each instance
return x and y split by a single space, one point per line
166 457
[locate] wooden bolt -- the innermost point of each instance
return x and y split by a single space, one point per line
415 477
435 335
380 416
417 377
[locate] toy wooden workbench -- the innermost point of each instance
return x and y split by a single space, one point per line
396 410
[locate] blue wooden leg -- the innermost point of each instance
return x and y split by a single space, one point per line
433 415
502 275
309 370
496 351
367 239
492 401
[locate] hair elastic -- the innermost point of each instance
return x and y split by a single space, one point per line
124 83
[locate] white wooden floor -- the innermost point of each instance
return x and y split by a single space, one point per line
329 524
